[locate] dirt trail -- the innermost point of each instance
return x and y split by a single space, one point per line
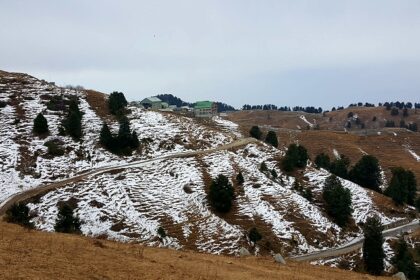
25 195
355 244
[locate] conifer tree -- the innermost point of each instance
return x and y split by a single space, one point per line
134 140
338 200
221 194
271 139
106 138
117 103
74 125
323 161
339 167
373 252
403 186
296 157
240 179
66 221
40 124
403 260
255 132
367 173
19 214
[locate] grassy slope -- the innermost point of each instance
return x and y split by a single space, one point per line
389 149
39 255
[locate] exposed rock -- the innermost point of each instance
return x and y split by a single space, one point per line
400 275
279 259
243 252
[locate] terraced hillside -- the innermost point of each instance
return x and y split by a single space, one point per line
131 202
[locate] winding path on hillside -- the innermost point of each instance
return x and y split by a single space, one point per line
27 194
354 245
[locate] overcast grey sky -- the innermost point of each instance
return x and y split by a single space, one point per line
320 53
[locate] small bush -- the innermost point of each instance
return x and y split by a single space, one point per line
40 124
19 214
161 232
66 221
221 194
254 235
263 167
255 132
240 179
55 147
3 104
271 139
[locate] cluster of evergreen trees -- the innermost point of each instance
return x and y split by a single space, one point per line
271 137
66 221
296 157
266 107
125 142
366 172
398 104
173 100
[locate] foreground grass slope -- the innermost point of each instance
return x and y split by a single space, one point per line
38 255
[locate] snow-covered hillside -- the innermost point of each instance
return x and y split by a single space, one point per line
130 204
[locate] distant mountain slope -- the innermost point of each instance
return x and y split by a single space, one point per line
392 146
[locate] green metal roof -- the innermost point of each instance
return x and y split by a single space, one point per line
203 105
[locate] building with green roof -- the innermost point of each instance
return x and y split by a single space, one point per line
205 109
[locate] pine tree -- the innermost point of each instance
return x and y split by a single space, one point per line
367 173
106 137
373 252
19 214
74 125
271 139
117 103
403 260
134 140
255 132
66 221
221 194
323 161
338 200
402 188
40 124
240 179
296 157
339 167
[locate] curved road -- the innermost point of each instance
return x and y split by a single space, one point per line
347 248
354 245
27 194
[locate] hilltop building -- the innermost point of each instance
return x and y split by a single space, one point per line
153 103
205 109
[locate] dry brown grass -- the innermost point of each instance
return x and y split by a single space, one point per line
98 102
38 255
389 149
